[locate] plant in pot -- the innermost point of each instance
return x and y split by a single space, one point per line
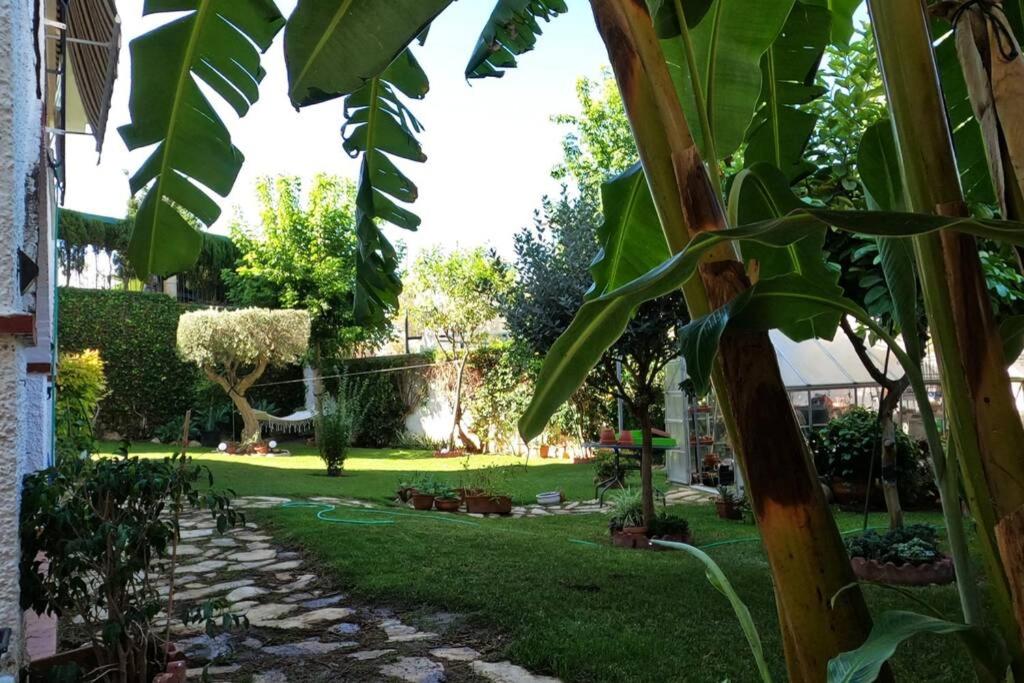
210 420
907 556
667 527
97 536
421 493
446 499
728 503
626 521
491 495
405 490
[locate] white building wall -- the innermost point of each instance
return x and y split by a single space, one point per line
23 400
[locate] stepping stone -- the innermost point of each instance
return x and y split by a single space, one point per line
329 601
288 555
298 597
212 590
204 567
456 654
254 555
298 584
222 542
401 633
257 545
246 566
187 550
203 648
274 676
507 672
306 648
213 671
196 533
252 643
366 655
242 607
415 670
282 566
309 618
345 629
247 536
265 615
326 499
244 593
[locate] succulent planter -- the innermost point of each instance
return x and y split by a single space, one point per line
489 505
447 504
422 501
728 510
938 572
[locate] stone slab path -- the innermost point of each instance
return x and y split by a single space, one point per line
304 628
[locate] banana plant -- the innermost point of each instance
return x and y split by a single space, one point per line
219 44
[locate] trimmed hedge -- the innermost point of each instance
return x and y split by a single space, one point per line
135 335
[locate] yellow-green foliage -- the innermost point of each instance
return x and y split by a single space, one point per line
249 337
81 385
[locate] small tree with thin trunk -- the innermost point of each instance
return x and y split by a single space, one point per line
234 348
454 296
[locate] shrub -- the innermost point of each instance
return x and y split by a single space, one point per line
604 466
106 528
389 396
627 509
500 390
337 421
81 385
665 524
913 544
843 449
134 333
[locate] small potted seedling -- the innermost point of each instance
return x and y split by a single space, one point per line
446 499
728 503
421 494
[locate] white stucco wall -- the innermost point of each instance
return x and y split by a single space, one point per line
20 139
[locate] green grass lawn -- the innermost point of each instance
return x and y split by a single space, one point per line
566 603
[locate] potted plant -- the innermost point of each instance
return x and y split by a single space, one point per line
626 521
491 496
544 449
728 503
421 493
446 499
907 556
97 538
666 527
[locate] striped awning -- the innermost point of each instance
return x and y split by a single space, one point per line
94 40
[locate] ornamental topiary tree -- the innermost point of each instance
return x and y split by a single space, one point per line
234 348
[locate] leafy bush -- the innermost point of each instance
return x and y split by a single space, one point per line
81 385
627 509
389 396
843 449
171 431
500 390
604 466
913 544
336 423
134 333
665 524
107 528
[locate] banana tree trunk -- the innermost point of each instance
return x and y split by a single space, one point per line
979 401
805 552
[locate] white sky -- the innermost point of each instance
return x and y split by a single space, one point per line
491 146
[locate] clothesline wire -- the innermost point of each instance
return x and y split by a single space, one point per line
355 374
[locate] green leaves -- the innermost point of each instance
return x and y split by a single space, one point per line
511 30
332 48
716 577
601 320
666 21
728 44
216 43
378 125
879 164
895 626
631 238
842 17
779 132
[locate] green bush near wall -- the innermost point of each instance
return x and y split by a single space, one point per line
135 334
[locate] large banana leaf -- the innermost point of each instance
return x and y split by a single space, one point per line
666 21
511 30
332 48
379 125
717 578
631 238
762 192
842 17
780 131
601 321
895 626
218 43
728 45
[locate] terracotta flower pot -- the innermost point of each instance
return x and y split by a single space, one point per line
630 537
544 451
261 448
422 501
728 510
489 505
447 504
937 572
607 435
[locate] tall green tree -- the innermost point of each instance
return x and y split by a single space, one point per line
454 295
302 254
